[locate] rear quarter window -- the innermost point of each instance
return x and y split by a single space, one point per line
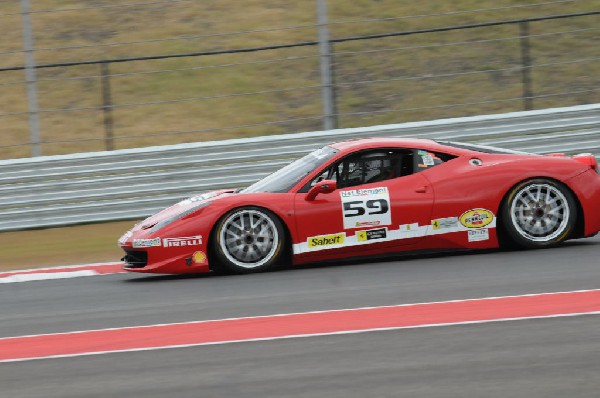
424 160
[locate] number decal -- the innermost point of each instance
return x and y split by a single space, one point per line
366 207
381 205
356 208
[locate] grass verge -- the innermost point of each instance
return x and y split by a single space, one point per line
80 244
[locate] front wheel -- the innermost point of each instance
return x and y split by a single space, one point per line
539 213
248 239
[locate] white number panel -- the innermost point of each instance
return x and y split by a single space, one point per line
366 207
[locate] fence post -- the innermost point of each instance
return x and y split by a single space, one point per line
526 66
327 89
30 77
107 107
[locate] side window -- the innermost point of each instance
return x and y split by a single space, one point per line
425 159
368 167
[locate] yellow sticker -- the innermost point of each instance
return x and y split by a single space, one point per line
199 257
362 236
476 218
436 224
326 240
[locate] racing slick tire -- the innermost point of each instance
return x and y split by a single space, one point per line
539 213
248 239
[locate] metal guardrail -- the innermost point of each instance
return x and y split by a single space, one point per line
132 184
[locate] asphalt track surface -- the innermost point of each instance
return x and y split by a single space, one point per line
554 357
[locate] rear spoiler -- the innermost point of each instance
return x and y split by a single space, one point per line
588 159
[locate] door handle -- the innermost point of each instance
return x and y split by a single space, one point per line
423 189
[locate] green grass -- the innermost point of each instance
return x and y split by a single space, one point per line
413 94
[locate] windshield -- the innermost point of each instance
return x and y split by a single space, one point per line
284 179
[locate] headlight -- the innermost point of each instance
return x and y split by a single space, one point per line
161 224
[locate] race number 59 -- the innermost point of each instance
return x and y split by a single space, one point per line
366 207
358 208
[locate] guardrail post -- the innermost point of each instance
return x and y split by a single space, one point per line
327 89
30 77
526 66
107 107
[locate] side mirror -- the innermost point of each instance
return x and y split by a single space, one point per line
325 186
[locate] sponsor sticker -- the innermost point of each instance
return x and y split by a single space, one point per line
427 160
409 227
364 192
183 241
443 223
476 218
367 223
476 235
327 240
366 207
370 234
199 257
137 243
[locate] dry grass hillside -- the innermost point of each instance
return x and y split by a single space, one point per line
392 80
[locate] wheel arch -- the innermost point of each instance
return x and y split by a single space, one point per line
503 238
287 249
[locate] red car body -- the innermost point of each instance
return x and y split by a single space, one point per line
441 204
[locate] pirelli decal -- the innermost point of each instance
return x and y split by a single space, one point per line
474 224
183 241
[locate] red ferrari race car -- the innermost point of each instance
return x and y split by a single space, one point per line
370 197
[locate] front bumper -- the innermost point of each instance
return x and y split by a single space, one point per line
163 258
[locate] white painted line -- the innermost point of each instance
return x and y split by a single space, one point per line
57 267
45 276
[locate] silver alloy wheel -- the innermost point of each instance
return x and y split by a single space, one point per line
540 212
249 238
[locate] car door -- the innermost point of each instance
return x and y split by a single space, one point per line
380 203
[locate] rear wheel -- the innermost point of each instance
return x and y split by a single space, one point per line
248 239
539 213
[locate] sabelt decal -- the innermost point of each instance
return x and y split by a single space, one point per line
476 235
476 218
183 241
326 240
371 234
366 207
137 243
443 223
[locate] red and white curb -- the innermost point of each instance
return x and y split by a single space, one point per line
296 325
64 272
